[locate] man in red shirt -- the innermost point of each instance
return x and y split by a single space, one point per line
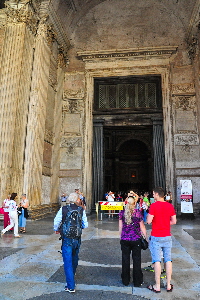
162 215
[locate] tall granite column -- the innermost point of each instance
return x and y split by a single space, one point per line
37 114
98 176
15 81
159 153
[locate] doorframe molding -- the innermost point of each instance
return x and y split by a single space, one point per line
152 66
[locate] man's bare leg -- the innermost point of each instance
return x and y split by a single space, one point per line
168 274
157 269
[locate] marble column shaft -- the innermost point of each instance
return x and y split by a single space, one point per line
36 118
16 65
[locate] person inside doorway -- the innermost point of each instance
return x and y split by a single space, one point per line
110 197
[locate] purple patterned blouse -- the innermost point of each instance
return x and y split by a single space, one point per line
132 231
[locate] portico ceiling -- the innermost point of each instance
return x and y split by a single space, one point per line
111 24
76 9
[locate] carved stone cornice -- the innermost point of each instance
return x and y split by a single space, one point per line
162 52
60 33
22 12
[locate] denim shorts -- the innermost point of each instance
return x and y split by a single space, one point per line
160 247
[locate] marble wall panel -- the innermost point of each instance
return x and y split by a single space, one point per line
68 185
181 76
46 189
185 121
71 158
71 123
187 153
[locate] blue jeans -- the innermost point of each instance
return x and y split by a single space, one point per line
70 251
159 246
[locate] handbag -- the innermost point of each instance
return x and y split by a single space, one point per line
1 210
26 214
144 243
19 210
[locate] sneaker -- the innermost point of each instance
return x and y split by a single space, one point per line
149 268
2 233
17 236
69 290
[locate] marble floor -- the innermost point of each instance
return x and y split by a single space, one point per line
31 266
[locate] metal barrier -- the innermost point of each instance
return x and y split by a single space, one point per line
109 206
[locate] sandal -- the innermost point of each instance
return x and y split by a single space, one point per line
23 231
151 288
171 289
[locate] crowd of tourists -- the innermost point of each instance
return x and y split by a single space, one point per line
138 210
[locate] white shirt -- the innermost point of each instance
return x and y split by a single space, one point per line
12 206
111 198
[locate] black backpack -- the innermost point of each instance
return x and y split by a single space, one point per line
71 221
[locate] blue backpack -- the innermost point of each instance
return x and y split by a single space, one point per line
71 222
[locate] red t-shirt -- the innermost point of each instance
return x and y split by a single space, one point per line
162 212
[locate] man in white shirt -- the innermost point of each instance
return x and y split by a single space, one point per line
12 208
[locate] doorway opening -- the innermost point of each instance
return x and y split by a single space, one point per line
128 159
128 139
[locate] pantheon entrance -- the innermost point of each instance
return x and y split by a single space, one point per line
128 158
128 142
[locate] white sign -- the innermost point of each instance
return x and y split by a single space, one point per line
186 197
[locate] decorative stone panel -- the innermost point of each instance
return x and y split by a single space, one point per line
73 106
184 139
71 142
185 102
186 88
74 86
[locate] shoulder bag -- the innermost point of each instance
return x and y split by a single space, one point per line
144 242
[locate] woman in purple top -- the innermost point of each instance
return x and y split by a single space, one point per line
131 228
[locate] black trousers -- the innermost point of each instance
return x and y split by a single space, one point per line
135 247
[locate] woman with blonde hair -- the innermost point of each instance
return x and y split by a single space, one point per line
131 229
